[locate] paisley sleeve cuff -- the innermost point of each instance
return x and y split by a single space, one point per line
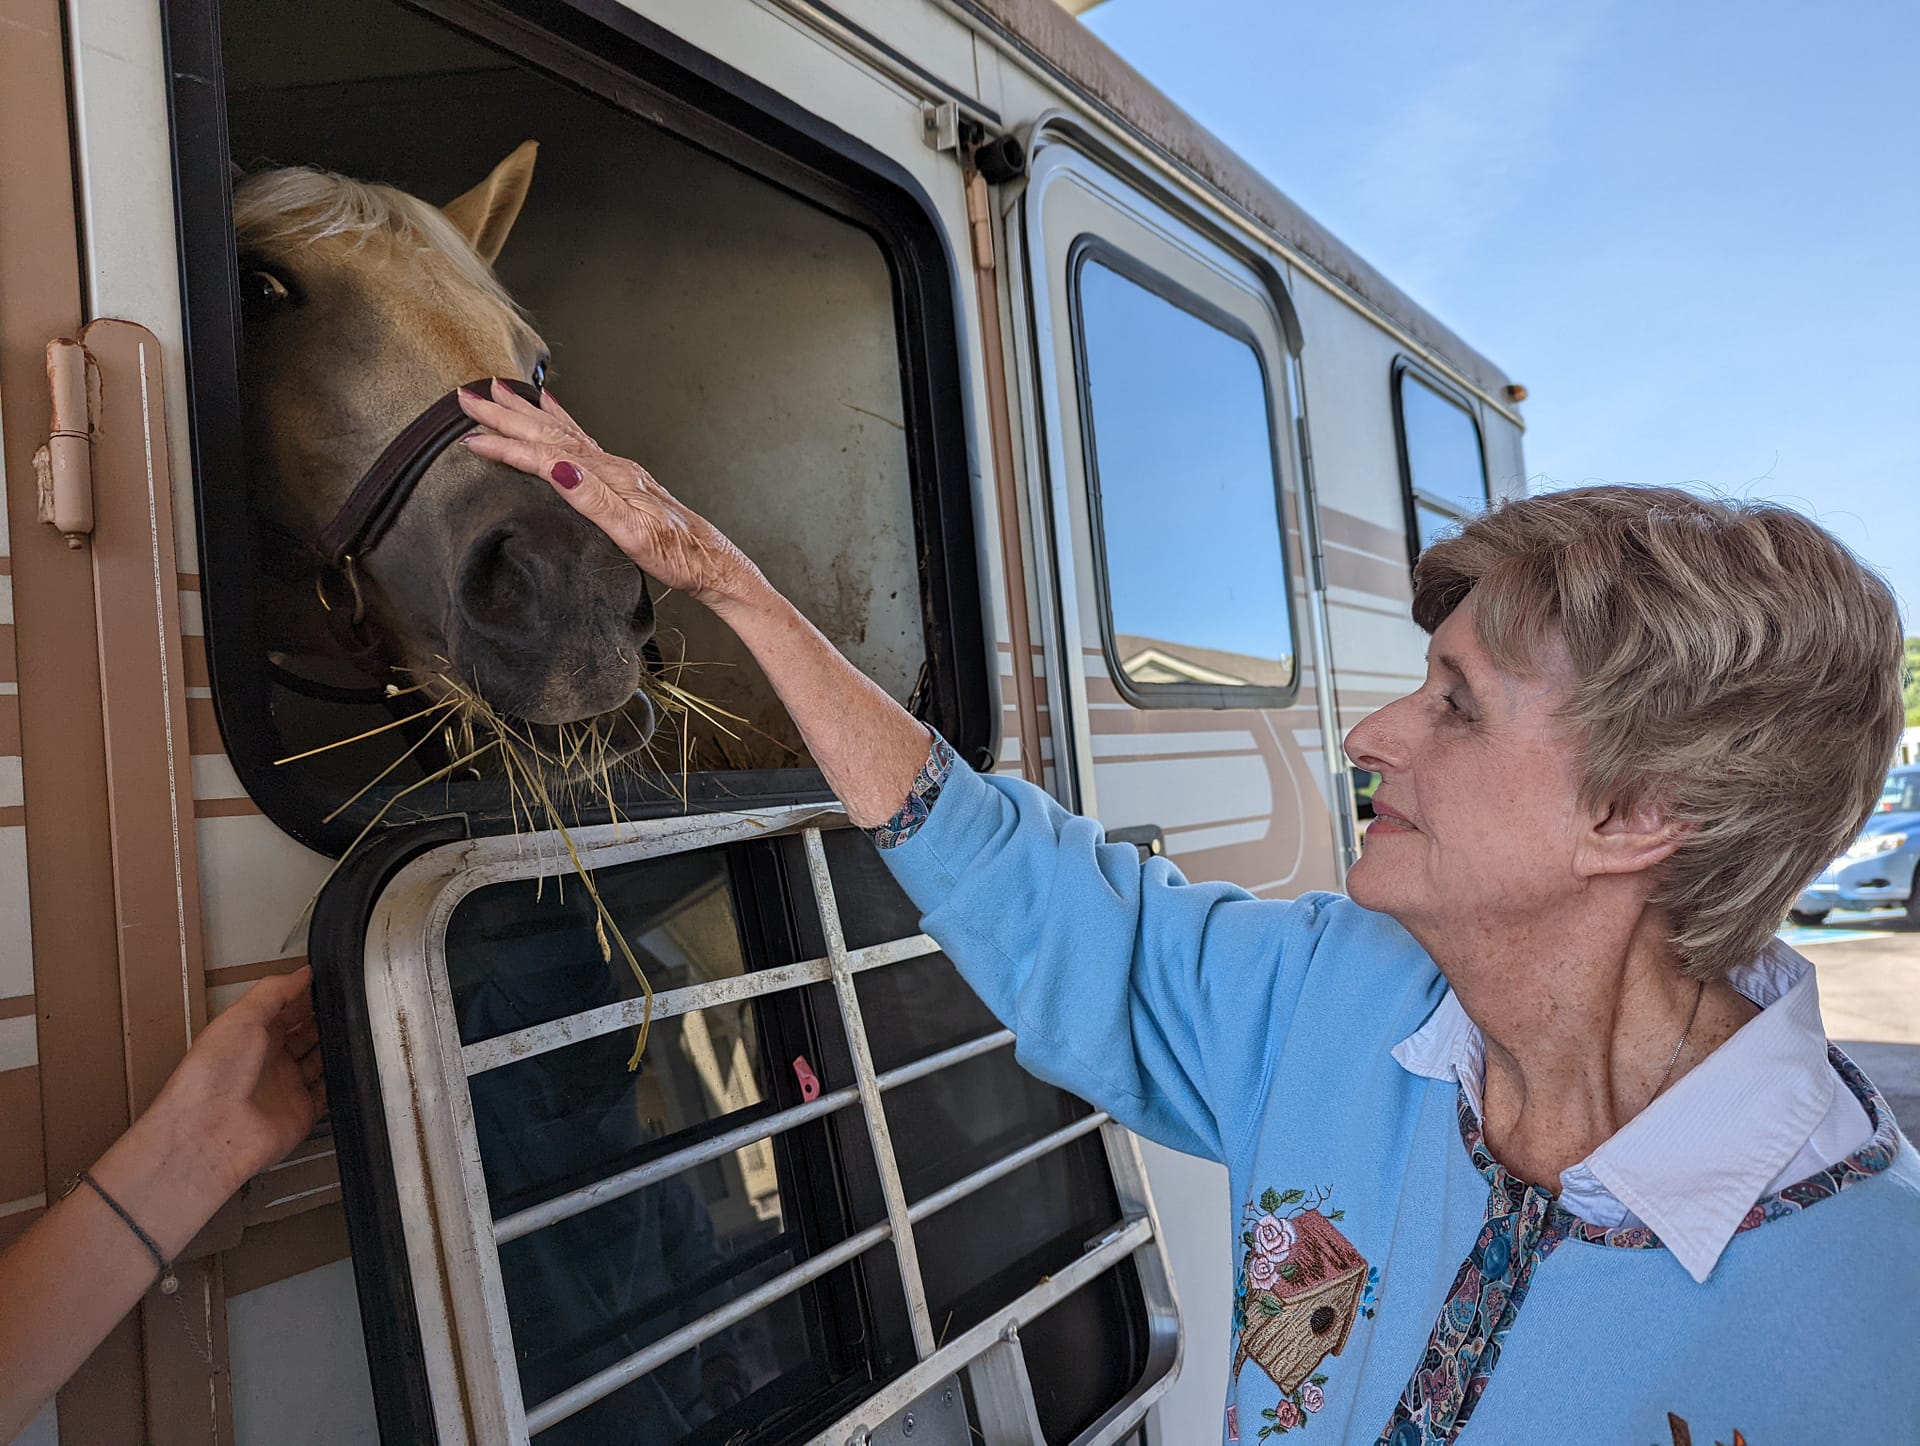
927 784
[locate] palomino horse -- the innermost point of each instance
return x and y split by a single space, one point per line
362 305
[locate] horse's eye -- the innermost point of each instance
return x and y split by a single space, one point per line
266 289
540 373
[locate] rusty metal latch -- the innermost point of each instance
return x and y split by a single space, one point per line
63 468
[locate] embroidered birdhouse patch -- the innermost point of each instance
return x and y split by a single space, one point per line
1300 1288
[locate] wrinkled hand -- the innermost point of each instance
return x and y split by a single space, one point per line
252 1085
666 539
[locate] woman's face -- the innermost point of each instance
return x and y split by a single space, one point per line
1478 826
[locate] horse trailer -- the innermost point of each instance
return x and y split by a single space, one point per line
654 1116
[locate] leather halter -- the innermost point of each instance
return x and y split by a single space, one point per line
383 489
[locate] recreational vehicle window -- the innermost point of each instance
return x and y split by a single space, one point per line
1442 464
753 304
1185 493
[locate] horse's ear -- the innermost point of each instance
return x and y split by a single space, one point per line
486 214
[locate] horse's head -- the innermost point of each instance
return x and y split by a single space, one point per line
362 305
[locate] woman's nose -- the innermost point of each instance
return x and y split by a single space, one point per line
1370 743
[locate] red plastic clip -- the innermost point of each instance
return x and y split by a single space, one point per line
809 1081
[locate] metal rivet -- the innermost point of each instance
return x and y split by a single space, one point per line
946 1399
861 1437
906 1424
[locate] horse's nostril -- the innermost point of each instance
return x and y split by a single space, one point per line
498 582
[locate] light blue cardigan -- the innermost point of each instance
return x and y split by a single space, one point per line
1381 1259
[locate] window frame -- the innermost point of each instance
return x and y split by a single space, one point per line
419 1213
625 60
1412 497
1091 247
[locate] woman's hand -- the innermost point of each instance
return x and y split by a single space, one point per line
250 1088
866 744
667 540
247 1092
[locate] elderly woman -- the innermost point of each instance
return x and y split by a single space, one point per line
1575 1106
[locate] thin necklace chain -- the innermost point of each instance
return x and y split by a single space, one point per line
1698 995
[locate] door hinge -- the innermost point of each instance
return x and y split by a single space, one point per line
63 468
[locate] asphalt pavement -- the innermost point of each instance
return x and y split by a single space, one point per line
1869 971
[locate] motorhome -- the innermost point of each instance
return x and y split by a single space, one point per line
1064 423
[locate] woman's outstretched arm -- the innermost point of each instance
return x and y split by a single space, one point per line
1161 1001
867 745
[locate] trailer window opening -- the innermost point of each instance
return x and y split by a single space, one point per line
1443 466
1184 487
765 322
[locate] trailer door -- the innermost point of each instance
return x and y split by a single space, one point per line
1182 651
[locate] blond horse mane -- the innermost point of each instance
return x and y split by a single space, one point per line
297 206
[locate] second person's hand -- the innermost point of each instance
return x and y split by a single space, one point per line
667 540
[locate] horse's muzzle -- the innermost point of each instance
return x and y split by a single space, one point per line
549 621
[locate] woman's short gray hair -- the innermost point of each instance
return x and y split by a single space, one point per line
1736 664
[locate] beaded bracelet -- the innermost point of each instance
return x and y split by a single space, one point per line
169 1282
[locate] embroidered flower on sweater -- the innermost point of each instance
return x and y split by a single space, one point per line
1300 1288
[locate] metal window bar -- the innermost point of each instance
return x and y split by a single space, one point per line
905 1253
1131 1237
587 1197
502 1049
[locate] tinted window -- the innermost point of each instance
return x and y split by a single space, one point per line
1186 499
1901 793
1446 474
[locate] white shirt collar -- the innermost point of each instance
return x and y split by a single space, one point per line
1692 1163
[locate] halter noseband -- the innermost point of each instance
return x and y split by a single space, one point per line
383 489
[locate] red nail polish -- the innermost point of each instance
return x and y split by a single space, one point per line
473 392
566 474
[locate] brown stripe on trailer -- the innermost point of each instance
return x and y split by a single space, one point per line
305 1181
1349 530
1390 582
281 1249
224 807
193 656
203 728
23 1166
247 973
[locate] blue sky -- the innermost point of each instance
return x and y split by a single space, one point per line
1691 230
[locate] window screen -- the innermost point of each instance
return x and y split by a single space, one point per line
1444 468
1175 406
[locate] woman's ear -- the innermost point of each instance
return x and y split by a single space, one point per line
1631 838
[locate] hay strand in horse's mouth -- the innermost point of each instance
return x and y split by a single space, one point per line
577 756
425 712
